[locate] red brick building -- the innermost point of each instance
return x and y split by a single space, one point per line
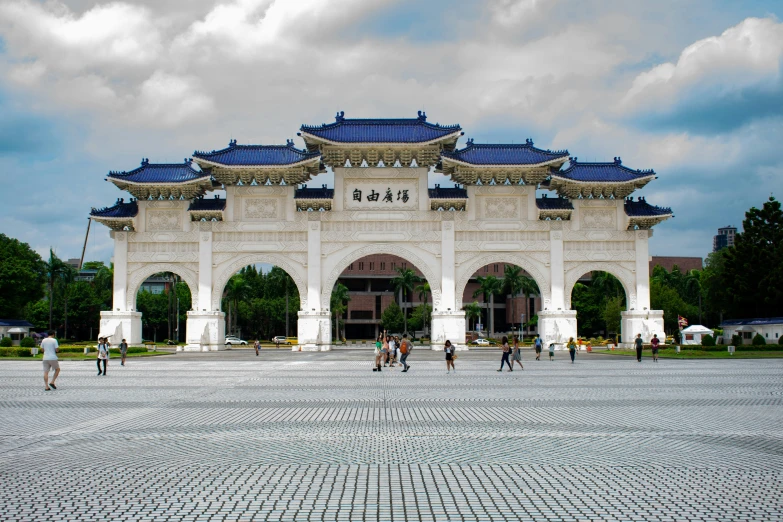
685 264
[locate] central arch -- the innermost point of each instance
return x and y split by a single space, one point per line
522 261
625 275
292 268
138 276
404 251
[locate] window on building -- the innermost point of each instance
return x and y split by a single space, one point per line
486 269
383 265
361 314
496 269
372 265
746 335
405 265
361 265
689 337
393 265
350 267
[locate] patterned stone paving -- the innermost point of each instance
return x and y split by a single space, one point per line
318 436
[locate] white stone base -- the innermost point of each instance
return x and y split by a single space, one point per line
448 325
121 325
206 332
556 326
646 322
315 331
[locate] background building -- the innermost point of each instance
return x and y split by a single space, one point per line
725 238
685 264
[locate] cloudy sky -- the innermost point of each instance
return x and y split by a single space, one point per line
692 89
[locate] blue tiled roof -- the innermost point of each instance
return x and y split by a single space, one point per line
448 193
403 130
314 193
119 210
206 204
160 173
15 322
504 154
751 322
546 203
641 208
601 172
257 154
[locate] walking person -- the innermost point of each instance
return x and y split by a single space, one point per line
103 355
449 349
571 349
123 351
50 348
516 355
506 352
538 344
639 345
393 350
552 351
256 346
378 345
655 342
405 349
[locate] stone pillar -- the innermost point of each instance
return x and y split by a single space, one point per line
314 324
120 322
642 320
447 321
206 328
556 324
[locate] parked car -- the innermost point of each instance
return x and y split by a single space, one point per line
280 339
234 340
480 342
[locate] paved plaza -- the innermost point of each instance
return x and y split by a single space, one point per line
319 436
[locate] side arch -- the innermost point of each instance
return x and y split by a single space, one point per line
466 270
292 268
138 276
626 276
419 258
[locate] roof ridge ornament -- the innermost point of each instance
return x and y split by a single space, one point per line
144 162
422 116
618 161
232 143
289 143
469 142
340 116
529 142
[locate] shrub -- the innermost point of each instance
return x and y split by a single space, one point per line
27 342
23 352
758 340
708 340
4 351
736 340
5 342
780 341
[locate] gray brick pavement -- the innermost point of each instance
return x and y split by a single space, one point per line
289 436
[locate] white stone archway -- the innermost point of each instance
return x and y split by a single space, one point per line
228 269
532 267
624 274
138 276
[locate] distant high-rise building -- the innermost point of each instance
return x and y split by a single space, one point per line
725 238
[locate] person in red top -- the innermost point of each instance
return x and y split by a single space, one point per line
655 342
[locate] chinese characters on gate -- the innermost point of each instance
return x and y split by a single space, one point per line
402 195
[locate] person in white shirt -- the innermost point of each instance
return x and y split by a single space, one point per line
50 362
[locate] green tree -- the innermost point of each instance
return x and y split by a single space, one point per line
753 270
512 285
22 276
611 314
489 287
391 318
472 312
236 290
666 298
339 304
404 283
154 309
423 291
420 316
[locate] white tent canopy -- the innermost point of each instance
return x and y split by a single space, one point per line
697 329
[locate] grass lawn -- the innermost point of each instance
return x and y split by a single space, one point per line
81 357
670 353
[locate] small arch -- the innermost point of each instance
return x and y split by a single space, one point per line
138 276
525 263
415 256
292 268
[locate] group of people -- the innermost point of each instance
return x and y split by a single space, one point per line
103 353
51 348
388 347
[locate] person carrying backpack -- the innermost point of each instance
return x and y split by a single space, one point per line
551 351
405 348
539 344
572 349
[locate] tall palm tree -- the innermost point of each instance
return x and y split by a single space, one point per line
488 287
404 283
339 304
528 287
104 284
54 269
512 284
236 290
472 311
423 290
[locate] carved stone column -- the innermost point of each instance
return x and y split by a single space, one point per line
120 323
447 321
314 325
642 320
556 324
206 328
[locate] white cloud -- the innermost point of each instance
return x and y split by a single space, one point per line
748 54
170 99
